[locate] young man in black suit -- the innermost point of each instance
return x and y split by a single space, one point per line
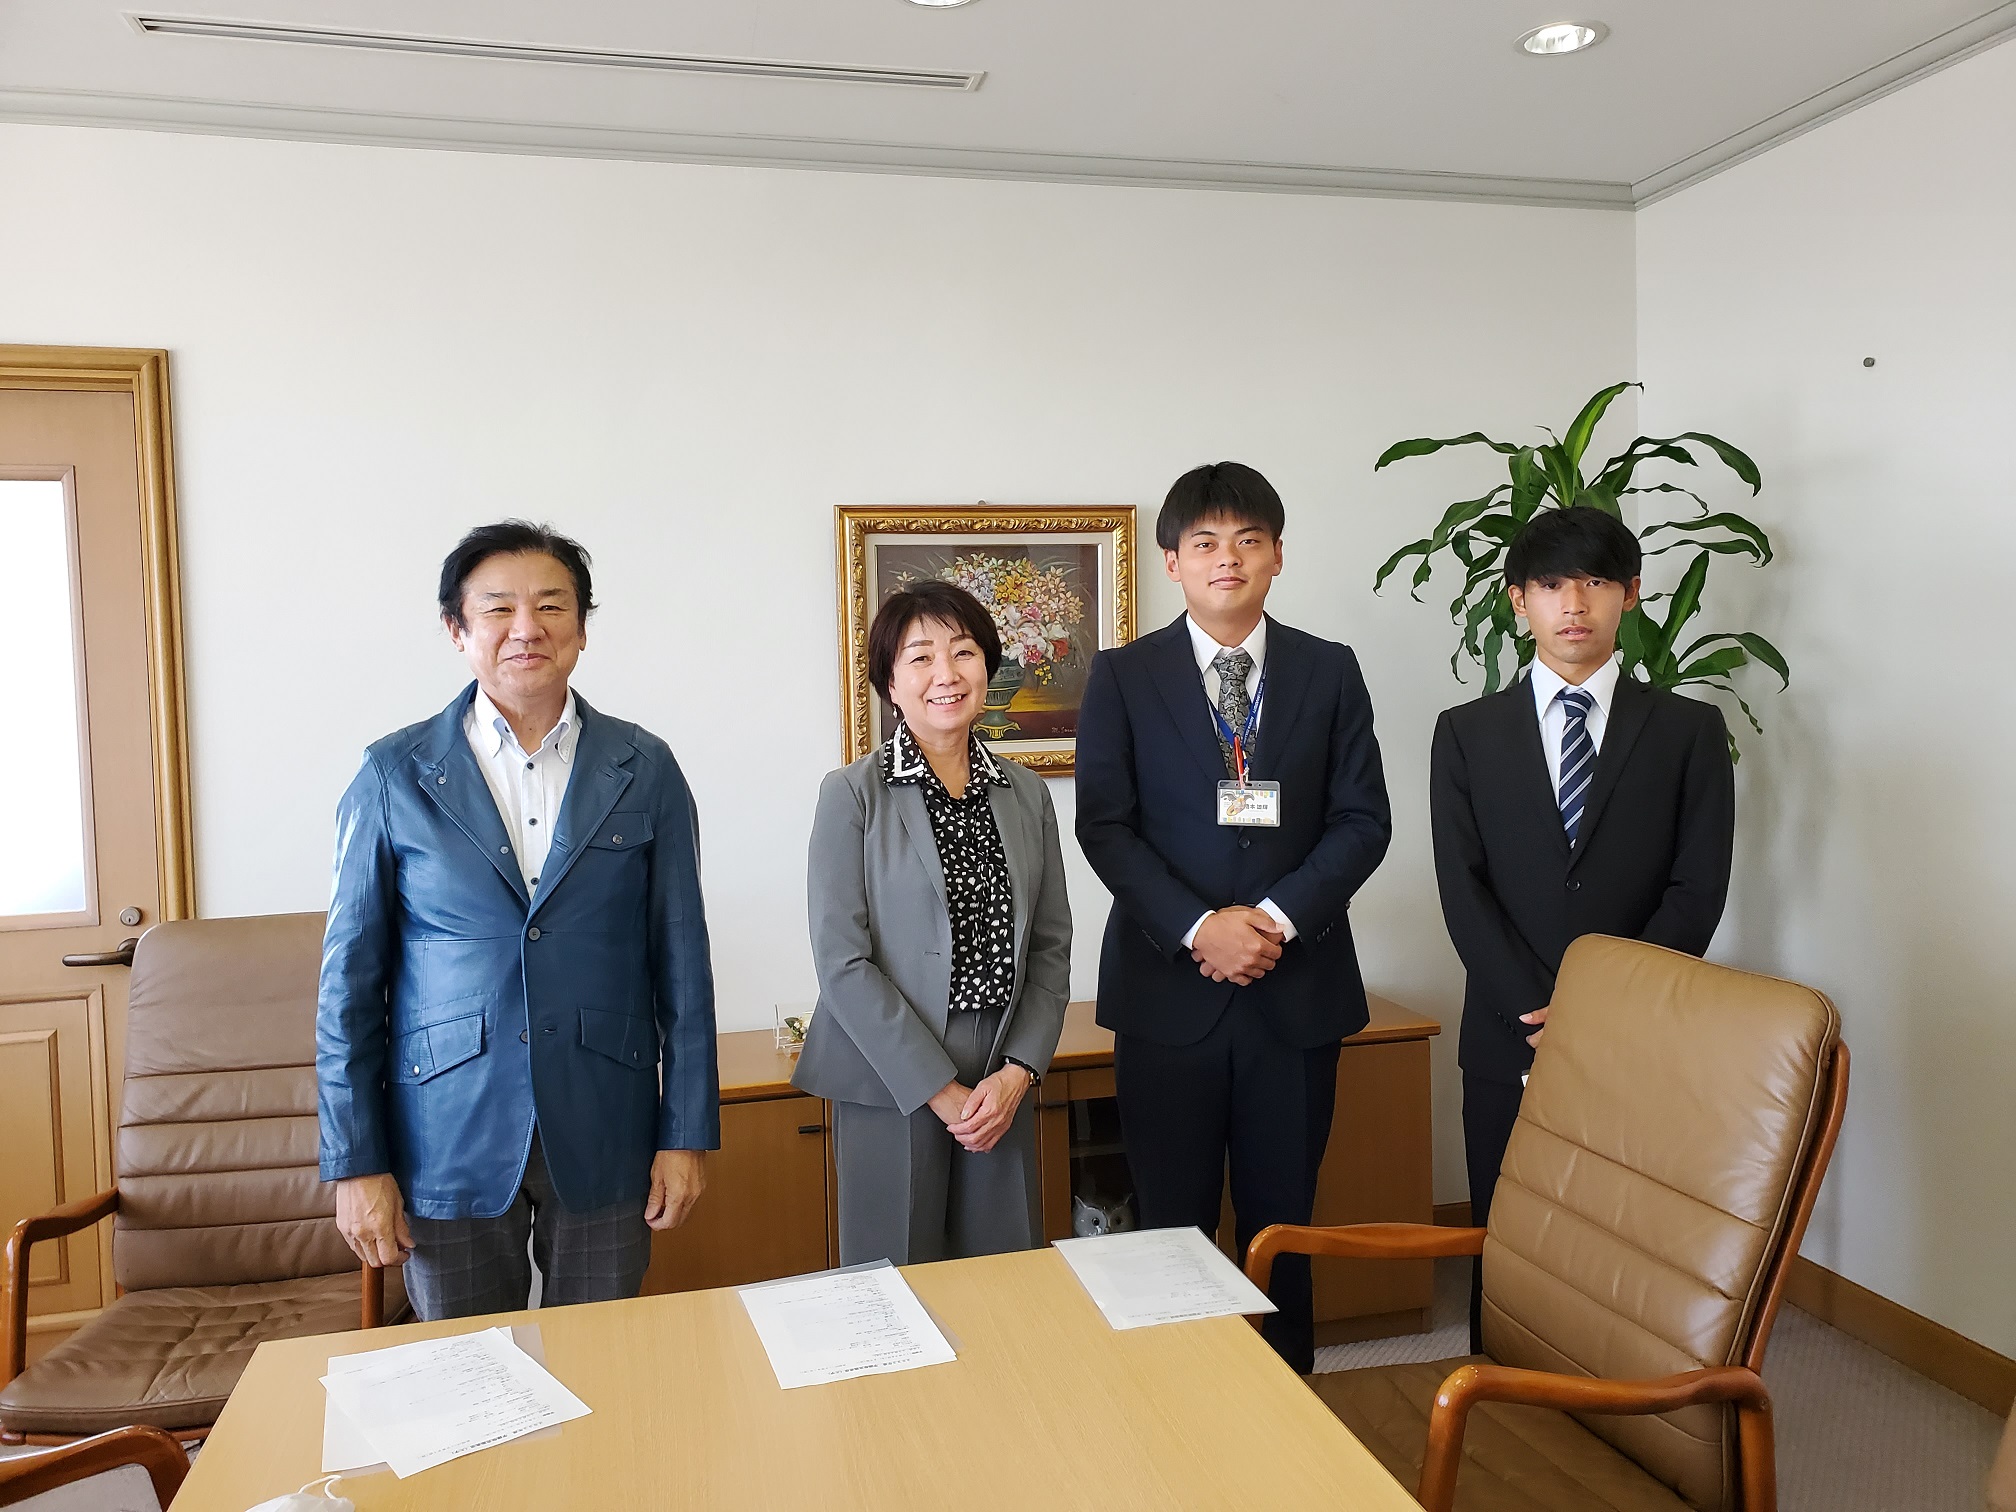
1231 798
1574 802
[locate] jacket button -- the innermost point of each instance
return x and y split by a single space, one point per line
524 1036
615 839
1574 885
416 1070
440 781
532 933
1244 841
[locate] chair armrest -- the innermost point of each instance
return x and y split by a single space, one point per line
1469 1384
372 1293
1358 1241
156 1452
53 1224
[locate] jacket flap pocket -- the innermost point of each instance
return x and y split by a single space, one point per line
426 1053
623 1037
621 832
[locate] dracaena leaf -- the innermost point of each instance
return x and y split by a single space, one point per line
1735 524
1584 424
1412 548
1421 446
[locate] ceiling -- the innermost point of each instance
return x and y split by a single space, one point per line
1416 97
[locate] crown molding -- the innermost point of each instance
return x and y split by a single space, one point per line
55 107
1943 51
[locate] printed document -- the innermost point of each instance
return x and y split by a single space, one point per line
420 1405
842 1324
1161 1276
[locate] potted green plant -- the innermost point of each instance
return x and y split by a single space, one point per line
1475 532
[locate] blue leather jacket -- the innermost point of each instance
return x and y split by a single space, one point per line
455 1012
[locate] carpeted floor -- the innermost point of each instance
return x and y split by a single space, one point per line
1857 1432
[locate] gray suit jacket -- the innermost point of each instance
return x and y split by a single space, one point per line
882 938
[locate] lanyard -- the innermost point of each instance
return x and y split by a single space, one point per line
1241 740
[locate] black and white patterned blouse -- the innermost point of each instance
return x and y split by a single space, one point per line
975 867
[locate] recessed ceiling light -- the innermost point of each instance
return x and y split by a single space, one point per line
1563 37
941 4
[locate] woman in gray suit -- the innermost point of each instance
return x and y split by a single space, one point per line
942 938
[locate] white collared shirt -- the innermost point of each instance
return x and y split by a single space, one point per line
1547 686
528 788
1206 650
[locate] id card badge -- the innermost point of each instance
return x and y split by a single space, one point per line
1250 803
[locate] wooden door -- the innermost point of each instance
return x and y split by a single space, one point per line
763 1214
97 848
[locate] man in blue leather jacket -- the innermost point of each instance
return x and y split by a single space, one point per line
515 1031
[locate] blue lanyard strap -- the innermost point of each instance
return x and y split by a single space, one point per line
1241 740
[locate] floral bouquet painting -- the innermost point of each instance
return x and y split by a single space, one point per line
1059 581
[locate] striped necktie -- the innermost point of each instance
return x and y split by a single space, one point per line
1578 759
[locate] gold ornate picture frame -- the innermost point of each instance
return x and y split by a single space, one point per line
1059 578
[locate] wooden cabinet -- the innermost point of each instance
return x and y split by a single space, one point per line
769 1206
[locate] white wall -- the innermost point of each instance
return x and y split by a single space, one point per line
1876 853
688 368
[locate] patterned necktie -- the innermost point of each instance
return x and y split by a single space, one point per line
1578 759
1232 668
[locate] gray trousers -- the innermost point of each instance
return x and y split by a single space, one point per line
465 1267
911 1193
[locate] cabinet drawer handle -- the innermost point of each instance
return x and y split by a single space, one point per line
811 1128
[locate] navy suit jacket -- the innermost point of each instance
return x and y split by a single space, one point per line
455 1011
1149 766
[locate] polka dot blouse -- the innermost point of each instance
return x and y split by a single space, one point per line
975 867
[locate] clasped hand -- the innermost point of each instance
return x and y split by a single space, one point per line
978 1116
1237 944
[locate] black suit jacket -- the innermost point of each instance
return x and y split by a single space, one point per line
1652 863
1149 766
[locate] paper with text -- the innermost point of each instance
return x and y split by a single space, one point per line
843 1324
419 1405
1161 1276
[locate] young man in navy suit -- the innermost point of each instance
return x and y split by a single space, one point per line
1577 801
1230 797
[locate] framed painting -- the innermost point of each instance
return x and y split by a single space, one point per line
1059 580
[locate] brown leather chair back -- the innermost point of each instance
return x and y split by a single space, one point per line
1652 1183
218 1178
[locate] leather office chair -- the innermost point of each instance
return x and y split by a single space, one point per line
223 1235
156 1452
1668 1154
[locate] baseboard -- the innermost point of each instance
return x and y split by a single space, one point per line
1452 1214
1933 1350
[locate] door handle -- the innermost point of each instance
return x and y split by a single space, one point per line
811 1128
123 956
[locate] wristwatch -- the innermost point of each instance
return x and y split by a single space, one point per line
1033 1077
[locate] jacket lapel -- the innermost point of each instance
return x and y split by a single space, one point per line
1181 686
1009 819
1630 707
909 801
1528 765
599 779
1285 677
449 776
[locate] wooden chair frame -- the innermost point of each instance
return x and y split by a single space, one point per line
153 1450
1742 1385
72 1218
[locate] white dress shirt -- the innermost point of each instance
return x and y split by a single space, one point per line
528 788
1206 650
1547 685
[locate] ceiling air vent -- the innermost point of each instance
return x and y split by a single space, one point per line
523 52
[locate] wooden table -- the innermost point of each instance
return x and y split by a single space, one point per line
1046 1406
